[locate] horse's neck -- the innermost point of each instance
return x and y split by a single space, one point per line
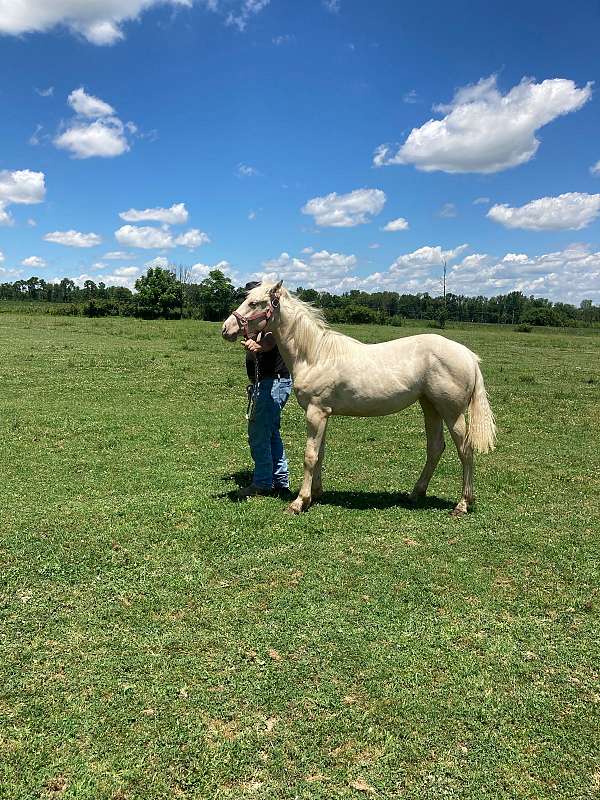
292 351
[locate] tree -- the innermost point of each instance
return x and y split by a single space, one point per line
586 310
34 286
66 289
90 289
308 295
540 315
159 294
216 295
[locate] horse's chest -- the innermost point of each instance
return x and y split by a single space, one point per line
311 390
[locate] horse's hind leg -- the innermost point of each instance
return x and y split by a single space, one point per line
434 428
458 430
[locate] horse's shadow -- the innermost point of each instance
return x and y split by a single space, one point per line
381 500
359 500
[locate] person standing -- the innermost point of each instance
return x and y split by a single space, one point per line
270 390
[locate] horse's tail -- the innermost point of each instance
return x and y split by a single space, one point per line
482 427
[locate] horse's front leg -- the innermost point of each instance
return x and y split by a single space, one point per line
316 422
317 482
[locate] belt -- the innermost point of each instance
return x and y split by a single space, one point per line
278 375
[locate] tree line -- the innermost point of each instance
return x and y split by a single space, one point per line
170 294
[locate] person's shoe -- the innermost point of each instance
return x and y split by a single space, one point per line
283 492
252 491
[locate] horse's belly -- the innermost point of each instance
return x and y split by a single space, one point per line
356 404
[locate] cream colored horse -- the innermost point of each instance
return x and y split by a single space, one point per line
334 374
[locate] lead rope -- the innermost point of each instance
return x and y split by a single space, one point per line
252 390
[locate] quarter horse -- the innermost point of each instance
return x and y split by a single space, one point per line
335 374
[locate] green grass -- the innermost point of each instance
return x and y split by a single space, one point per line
160 641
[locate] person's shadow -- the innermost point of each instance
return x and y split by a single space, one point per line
359 500
241 478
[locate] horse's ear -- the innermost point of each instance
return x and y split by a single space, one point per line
274 290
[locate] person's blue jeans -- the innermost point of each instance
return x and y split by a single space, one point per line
266 445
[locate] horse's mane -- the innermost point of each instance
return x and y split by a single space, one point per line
313 337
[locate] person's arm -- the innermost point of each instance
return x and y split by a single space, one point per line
266 344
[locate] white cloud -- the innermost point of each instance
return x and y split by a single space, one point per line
159 261
200 271
481 201
13 274
346 210
485 131
411 97
176 215
112 279
34 262
46 92
35 137
22 187
2 257
570 211
285 38
73 238
252 215
149 238
322 270
332 5
595 168
126 272
424 258
247 10
80 279
118 255
568 275
246 171
515 258
145 237
86 105
448 211
192 239
418 271
394 225
31 222
104 138
99 21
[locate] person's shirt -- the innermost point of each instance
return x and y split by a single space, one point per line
270 365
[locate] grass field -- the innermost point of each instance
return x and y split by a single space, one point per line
161 641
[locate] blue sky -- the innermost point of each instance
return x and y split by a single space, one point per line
293 133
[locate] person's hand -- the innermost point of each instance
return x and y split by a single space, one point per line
252 346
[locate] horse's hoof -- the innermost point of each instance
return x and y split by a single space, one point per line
458 512
293 509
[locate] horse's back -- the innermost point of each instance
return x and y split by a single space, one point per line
380 379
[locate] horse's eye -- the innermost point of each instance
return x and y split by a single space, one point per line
253 304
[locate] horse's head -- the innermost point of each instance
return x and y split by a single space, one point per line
255 313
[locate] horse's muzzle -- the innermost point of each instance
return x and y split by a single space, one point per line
230 329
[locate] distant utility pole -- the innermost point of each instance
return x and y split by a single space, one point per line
443 313
444 283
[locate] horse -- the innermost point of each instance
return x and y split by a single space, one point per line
334 374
